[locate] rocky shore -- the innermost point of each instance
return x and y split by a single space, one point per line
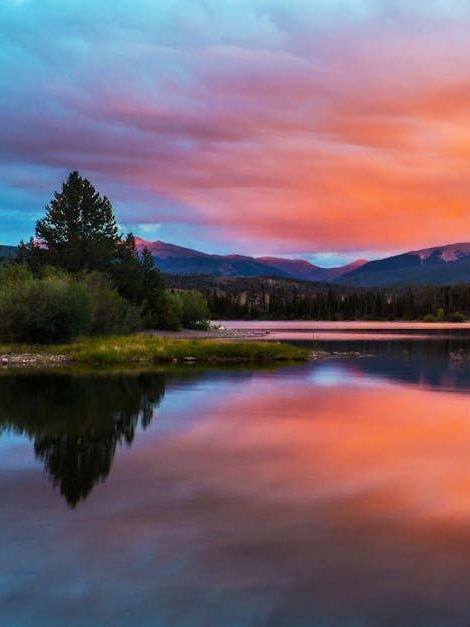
32 359
213 334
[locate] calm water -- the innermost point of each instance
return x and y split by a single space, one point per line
335 493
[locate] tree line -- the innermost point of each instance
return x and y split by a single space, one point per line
79 275
280 299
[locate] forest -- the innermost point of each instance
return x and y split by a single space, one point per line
281 299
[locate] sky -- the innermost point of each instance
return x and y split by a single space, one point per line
324 129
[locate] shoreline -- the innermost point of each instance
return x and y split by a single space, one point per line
314 325
281 331
262 330
150 349
239 341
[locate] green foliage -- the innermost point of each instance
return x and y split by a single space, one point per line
456 316
58 306
195 310
172 312
186 309
125 271
51 309
153 292
14 274
231 298
79 235
152 349
441 316
78 231
110 312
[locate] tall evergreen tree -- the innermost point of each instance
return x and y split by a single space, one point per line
153 288
78 232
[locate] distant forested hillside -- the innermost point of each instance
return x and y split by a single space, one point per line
284 299
7 251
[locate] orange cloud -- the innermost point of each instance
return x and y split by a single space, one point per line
306 129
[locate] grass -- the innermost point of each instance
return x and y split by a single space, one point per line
145 349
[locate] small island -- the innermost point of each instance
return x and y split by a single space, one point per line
148 349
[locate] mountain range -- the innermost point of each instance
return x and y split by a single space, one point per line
440 265
178 260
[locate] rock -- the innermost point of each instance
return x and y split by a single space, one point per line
460 355
29 359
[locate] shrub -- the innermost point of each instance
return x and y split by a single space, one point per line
13 274
172 312
456 316
57 307
51 309
195 310
110 312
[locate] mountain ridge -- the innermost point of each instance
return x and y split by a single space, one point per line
440 265
175 259
446 264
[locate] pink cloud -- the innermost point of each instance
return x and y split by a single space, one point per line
338 135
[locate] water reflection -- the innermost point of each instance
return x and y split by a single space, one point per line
319 494
76 422
436 364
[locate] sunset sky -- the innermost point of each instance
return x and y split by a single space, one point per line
327 129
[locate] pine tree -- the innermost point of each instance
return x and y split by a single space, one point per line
78 232
154 288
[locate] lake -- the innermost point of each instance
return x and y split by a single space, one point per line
332 493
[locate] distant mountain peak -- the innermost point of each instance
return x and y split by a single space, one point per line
436 265
301 263
357 264
165 250
175 259
447 253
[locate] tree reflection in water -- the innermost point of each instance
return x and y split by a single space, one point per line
78 421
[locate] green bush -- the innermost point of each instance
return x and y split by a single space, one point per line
456 316
47 310
172 312
13 274
110 312
184 309
54 306
57 307
195 310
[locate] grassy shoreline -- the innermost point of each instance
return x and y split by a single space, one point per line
147 349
